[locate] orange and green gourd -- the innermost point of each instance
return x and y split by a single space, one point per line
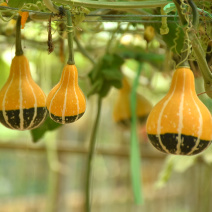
180 123
122 111
66 102
22 101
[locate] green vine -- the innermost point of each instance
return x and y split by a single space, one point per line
196 45
70 38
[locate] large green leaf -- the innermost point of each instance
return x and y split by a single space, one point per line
106 74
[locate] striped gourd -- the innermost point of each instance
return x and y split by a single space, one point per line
22 102
122 111
66 102
180 123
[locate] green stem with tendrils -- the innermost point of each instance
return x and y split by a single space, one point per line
197 47
90 157
18 47
70 33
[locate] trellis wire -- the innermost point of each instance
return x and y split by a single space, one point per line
100 15
109 16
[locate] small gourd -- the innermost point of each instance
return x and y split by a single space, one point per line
180 123
122 112
66 102
22 102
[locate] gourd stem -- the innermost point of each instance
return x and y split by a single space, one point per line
90 157
186 49
70 33
18 47
197 47
195 13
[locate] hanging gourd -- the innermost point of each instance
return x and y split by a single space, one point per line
180 123
122 111
22 102
66 102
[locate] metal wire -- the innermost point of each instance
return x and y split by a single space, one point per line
94 15
109 16
132 21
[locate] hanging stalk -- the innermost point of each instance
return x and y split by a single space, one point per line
70 35
90 157
135 163
18 47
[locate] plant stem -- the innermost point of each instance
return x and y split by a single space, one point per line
18 47
90 157
115 5
70 33
135 164
181 16
195 13
83 50
197 47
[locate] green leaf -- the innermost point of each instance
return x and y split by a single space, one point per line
112 74
105 89
39 132
96 87
116 83
106 74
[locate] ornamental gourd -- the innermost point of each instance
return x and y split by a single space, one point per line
22 102
66 102
122 112
180 123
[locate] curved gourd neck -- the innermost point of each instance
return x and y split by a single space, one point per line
183 79
69 76
20 67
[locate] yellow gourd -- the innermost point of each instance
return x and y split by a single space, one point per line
22 102
180 123
149 33
122 112
66 102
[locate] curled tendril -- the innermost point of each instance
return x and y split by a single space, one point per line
6 19
177 36
164 27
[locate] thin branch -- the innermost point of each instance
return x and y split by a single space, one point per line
83 50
